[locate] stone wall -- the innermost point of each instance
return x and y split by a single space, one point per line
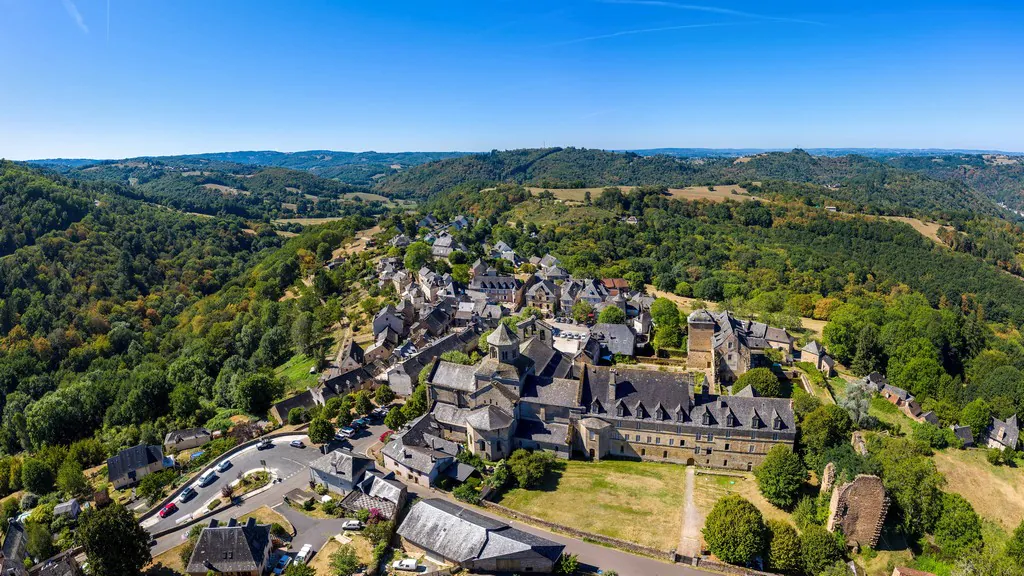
858 509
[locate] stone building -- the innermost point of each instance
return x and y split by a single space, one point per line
858 509
725 347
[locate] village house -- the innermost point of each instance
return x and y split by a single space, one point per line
475 542
725 347
14 550
504 289
235 549
377 492
420 454
544 295
388 318
1003 434
178 440
133 464
814 353
339 471
63 564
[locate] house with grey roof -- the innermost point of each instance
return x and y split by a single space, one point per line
615 339
14 552
475 542
178 440
544 295
965 434
1004 434
63 564
133 464
725 347
815 353
233 548
340 470
420 454
70 508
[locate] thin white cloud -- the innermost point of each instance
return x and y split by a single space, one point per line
711 9
69 5
640 31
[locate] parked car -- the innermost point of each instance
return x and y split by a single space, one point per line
297 444
282 564
166 511
187 494
352 525
207 478
223 466
346 432
361 424
305 554
264 444
408 564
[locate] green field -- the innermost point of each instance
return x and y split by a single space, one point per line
639 502
296 370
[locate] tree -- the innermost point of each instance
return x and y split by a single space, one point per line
151 487
70 479
529 468
297 415
568 565
39 541
395 419
612 315
735 530
321 431
857 402
256 392
36 476
384 395
664 312
958 530
870 354
113 541
781 476
978 415
827 426
838 569
302 332
417 255
915 486
709 289
362 403
762 380
582 310
819 549
783 547
1015 546
299 569
345 562
669 336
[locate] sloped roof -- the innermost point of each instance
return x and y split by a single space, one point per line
455 376
343 464
461 535
488 418
187 434
231 548
502 336
551 391
132 459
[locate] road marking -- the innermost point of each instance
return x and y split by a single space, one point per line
278 504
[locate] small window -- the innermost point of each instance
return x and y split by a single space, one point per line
696 449
751 449
775 436
671 441
750 466
648 439
698 436
725 463
664 454
682 442
643 452
711 437
637 437
708 451
726 445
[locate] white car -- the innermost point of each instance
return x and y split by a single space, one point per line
304 554
282 564
409 565
352 525
223 466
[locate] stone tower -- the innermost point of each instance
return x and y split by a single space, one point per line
700 348
503 345
858 509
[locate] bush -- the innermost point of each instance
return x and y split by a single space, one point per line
529 468
762 380
296 416
467 493
329 507
735 530
783 547
819 549
363 515
36 476
29 501
213 504
278 530
568 564
781 476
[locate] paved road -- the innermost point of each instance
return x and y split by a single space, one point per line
289 464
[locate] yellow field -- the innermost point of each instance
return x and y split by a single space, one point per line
308 221
638 502
708 488
927 229
719 194
995 492
225 190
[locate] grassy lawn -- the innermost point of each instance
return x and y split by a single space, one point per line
888 412
322 560
166 564
708 488
635 501
264 515
296 369
995 492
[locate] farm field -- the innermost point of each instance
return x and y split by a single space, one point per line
719 194
927 229
308 221
995 492
639 502
708 488
225 190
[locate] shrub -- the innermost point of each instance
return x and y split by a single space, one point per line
735 530
213 504
819 549
762 380
466 493
329 507
29 501
363 515
568 564
781 476
297 415
783 547
529 468
278 530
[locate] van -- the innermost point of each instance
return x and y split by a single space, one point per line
207 478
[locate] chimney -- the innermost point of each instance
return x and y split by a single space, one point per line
250 523
232 523
213 523
612 386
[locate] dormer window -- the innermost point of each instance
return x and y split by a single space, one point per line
755 422
730 420
777 425
595 407
705 419
680 416
640 411
620 411
660 413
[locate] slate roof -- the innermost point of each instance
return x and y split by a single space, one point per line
14 542
489 418
668 397
547 361
551 391
502 336
63 564
548 261
965 434
552 433
616 338
1006 433
462 535
231 548
176 436
814 348
422 446
455 376
68 507
754 335
132 459
546 286
450 415
343 464
494 283
898 392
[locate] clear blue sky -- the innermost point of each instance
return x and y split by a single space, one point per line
186 76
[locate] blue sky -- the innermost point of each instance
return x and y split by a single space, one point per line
186 76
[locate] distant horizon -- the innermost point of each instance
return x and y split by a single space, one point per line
649 151
115 79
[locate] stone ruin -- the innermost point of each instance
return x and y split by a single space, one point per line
858 509
828 478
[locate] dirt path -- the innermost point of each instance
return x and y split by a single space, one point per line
689 538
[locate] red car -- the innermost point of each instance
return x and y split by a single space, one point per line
168 510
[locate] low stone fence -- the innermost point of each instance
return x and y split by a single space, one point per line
605 540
